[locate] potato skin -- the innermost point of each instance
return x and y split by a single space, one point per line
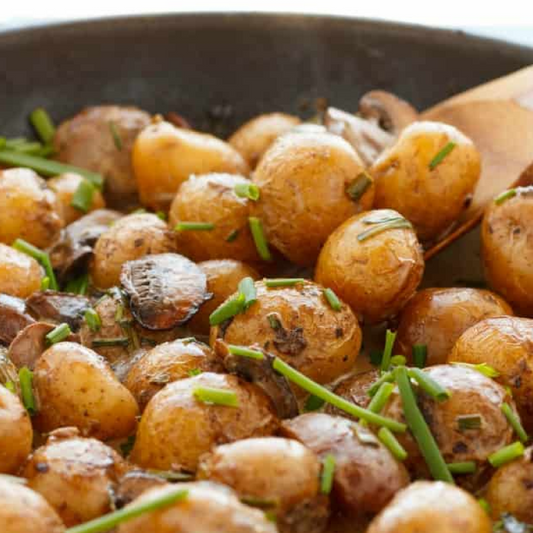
254 137
176 428
438 317
431 199
432 507
376 276
303 179
20 274
506 344
164 156
129 238
77 388
211 198
28 208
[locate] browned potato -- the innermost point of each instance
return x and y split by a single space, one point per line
28 208
432 507
75 475
24 511
355 389
169 362
310 183
430 194
76 387
507 250
208 508
65 186
298 324
254 137
505 344
100 139
20 274
129 238
165 156
282 474
375 274
438 317
366 474
176 428
16 434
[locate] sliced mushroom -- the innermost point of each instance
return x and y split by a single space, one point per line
133 484
14 317
165 290
58 307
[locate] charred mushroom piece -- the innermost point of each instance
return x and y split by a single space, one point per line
14 317
133 484
59 307
165 290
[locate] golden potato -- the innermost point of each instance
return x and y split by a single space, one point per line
129 238
76 387
20 274
254 137
16 434
65 186
165 156
75 475
438 317
374 273
310 183
411 180
432 507
28 208
298 325
212 198
176 428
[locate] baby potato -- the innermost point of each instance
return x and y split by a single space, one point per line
100 139
16 434
223 277
212 198
207 508
20 274
176 428
432 507
76 387
298 325
24 511
75 475
165 156
375 274
438 317
65 186
428 175
505 344
254 137
507 252
281 474
28 208
129 238
310 183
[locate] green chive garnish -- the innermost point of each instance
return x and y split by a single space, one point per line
43 125
194 226
78 285
356 188
328 470
485 505
117 139
93 320
392 444
313 403
247 190
58 334
245 352
332 299
398 360
387 377
232 236
429 385
115 341
228 309
10 386
506 454
514 422
381 397
438 159
482 368
247 288
209 395
161 215
42 257
256 227
468 422
45 283
82 199
26 390
283 282
33 148
420 355
504 196
397 223
390 337
194 372
466 467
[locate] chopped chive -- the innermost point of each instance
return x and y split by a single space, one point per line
116 341
429 385
247 288
468 422
171 475
109 521
256 227
58 334
227 398
44 127
15 142
188 340
514 422
506 454
381 216
482 368
194 372
161 215
332 299
45 283
380 228
247 190
261 503
127 446
93 320
314 388
391 443
245 352
485 505
419 428
26 390
439 158
466 467
117 139
328 470
2 142
119 312
388 377
273 321
283 282
33 148
390 337
82 199
398 360
194 226
39 255
10 386
381 397
313 403
78 285
357 187
228 309
504 196
139 211
420 355
232 236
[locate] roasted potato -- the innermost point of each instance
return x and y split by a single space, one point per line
176 428
280 475
29 209
20 274
354 388
437 318
165 156
310 183
428 175
432 507
373 262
